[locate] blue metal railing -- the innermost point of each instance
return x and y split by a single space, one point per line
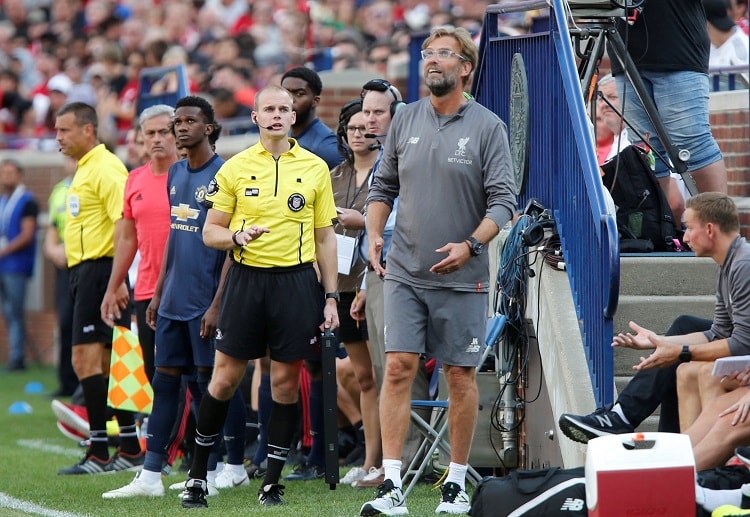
729 78
563 173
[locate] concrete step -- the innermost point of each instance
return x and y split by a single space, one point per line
656 312
668 274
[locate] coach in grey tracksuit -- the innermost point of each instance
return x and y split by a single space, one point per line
447 159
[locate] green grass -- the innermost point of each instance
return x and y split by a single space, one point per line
33 450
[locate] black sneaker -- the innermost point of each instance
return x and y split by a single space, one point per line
601 422
306 472
194 495
255 471
88 465
270 495
743 454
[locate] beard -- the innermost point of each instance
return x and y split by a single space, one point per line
444 84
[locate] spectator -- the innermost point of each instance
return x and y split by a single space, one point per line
377 58
54 250
738 12
348 50
235 79
46 106
669 45
18 213
235 116
132 36
729 45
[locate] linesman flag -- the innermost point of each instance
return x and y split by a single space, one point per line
129 388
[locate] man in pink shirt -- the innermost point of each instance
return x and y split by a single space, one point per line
146 220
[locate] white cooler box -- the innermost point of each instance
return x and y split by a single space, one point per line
637 474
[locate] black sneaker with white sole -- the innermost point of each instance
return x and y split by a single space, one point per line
602 422
194 495
270 495
743 454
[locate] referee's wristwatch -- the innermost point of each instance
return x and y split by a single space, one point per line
334 295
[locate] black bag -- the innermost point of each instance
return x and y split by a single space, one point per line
532 493
643 213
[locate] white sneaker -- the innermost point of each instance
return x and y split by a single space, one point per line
354 475
454 501
389 500
229 479
136 488
212 490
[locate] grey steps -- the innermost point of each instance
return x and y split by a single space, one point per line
654 290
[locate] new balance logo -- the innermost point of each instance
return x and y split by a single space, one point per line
603 420
572 505
474 346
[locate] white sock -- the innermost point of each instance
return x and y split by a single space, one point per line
234 469
392 470
149 477
457 474
618 409
211 476
711 499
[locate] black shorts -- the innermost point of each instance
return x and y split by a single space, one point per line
276 309
88 283
350 330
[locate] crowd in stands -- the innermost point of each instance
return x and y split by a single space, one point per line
58 51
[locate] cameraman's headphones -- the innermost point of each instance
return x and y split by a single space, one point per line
381 85
533 234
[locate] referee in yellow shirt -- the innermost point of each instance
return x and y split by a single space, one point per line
93 215
272 206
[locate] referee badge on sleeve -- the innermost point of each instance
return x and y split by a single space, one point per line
213 187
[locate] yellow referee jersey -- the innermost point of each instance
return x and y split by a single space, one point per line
292 196
94 204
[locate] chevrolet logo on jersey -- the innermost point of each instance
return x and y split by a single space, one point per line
183 212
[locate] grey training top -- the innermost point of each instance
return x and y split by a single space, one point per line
447 179
732 310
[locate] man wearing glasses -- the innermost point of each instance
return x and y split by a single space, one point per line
443 151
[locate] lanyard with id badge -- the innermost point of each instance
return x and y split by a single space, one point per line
347 246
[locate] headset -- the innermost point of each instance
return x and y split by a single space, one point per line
381 85
540 219
347 111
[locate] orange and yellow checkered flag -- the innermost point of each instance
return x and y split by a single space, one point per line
129 388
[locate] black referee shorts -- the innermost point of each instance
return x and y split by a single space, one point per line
88 283
276 309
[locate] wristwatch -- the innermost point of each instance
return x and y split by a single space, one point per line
685 355
334 295
476 248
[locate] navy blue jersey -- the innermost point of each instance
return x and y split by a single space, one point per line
193 269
